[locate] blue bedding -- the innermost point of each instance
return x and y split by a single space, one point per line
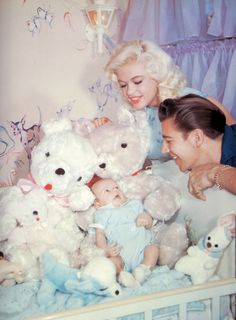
19 302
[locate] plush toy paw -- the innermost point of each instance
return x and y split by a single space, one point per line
164 202
10 273
141 273
127 280
173 242
81 199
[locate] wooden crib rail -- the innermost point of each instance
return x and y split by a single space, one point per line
147 303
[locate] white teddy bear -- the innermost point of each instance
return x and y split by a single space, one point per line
38 214
202 260
62 163
122 149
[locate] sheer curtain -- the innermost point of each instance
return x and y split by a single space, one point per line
210 67
198 34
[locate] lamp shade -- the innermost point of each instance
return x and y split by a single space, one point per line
100 14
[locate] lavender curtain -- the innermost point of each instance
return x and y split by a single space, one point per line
210 67
198 34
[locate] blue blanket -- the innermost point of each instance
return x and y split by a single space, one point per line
19 302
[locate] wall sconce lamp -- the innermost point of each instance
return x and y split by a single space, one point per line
100 14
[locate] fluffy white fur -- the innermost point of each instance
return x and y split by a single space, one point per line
39 215
63 162
202 260
121 149
10 273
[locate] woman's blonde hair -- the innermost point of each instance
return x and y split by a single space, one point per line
158 63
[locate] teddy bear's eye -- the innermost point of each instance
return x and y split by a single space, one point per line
79 179
209 238
216 246
124 145
47 154
35 213
60 171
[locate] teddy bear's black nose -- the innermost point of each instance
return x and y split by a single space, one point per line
102 165
208 245
60 171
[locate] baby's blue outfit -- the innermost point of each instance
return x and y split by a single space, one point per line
155 126
120 227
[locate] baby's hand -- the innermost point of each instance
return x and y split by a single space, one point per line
145 220
112 250
98 122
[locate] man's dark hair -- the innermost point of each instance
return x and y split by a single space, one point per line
194 112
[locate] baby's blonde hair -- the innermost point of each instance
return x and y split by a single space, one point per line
158 63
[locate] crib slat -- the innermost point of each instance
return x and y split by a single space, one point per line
183 311
148 315
215 306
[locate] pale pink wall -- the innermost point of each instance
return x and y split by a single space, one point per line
47 65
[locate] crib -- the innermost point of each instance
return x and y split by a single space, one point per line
143 307
214 300
218 296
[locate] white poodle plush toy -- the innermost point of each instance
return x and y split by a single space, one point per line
202 260
39 214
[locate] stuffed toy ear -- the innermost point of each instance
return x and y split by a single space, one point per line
83 126
56 126
228 222
125 117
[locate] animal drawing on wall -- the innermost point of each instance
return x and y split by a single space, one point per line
29 136
8 158
103 93
42 16
66 109
6 142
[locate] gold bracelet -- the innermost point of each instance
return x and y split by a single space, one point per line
218 174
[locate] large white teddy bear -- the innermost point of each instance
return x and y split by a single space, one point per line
122 149
39 214
62 163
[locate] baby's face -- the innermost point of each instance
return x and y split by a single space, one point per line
108 192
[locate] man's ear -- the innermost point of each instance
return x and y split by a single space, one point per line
197 137
97 204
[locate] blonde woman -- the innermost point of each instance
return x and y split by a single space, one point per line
146 75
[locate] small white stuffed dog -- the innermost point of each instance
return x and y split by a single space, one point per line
202 260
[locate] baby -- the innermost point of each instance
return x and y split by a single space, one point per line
122 232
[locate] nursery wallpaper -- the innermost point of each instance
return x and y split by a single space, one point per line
48 69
